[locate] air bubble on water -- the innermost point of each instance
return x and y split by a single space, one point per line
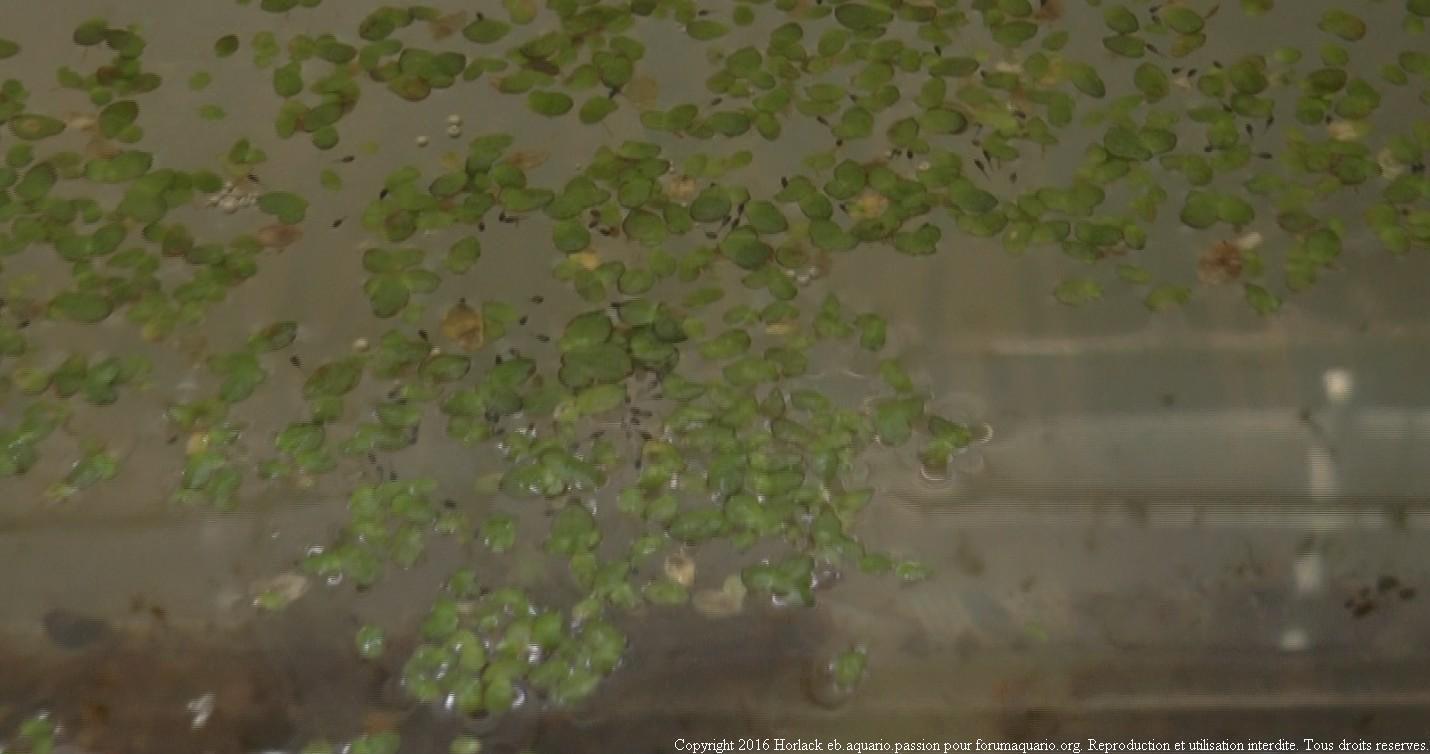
932 475
982 432
821 688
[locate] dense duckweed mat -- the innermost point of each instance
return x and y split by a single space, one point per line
588 314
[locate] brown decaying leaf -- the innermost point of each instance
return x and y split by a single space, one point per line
81 121
681 188
447 25
642 91
1051 10
101 148
279 236
680 568
526 159
589 260
1220 264
465 326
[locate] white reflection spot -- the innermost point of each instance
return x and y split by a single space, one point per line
1295 639
1339 384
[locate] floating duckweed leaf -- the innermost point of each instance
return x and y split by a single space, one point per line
1152 82
595 109
924 240
525 200
570 236
861 17
288 207
743 247
37 182
226 45
1014 33
727 345
873 331
765 217
32 127
894 419
586 330
123 167
521 11
1181 19
410 87
420 281
1263 301
499 532
445 367
710 205
1134 274
333 379
1167 296
212 112
371 641
93 468
90 33
1126 45
943 121
276 336
1186 44
299 437
387 293
1342 24
848 668
1323 245
1200 210
1120 20
288 80
550 104
18 156
486 30
464 325
1125 143
600 399
644 227
1234 210
81 306
704 29
463 254
1078 291
1085 78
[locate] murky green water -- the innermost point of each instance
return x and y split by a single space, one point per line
586 375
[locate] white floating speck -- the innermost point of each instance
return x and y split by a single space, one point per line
1308 573
421 141
200 709
1295 639
1339 384
1249 241
1345 130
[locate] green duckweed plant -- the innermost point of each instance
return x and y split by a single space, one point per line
680 405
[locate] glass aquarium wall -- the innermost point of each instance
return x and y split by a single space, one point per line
621 375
